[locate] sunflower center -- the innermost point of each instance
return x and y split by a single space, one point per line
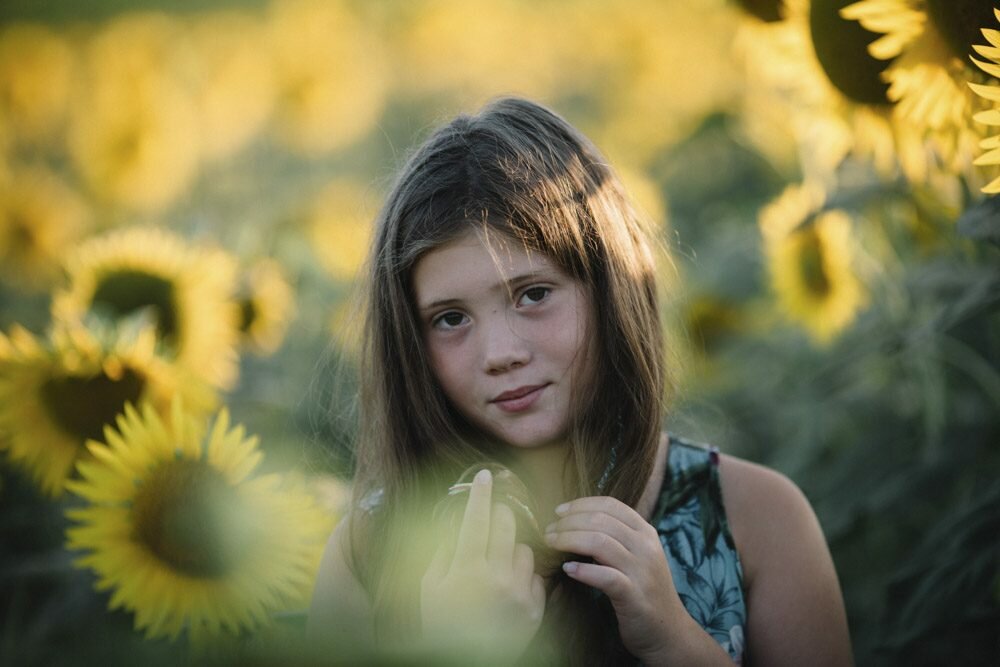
811 266
961 22
842 50
192 519
711 320
248 314
765 10
125 147
21 237
82 406
124 292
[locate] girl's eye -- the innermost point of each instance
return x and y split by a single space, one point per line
533 295
449 320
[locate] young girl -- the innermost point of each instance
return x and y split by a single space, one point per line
513 320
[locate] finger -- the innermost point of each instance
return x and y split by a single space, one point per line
439 565
608 580
600 546
524 562
606 504
503 531
598 522
537 597
474 535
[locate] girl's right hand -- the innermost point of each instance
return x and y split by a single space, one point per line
485 599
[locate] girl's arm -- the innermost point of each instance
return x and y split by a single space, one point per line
340 616
794 605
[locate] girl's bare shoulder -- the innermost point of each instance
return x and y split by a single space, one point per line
793 596
764 508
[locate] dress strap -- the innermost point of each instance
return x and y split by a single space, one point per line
693 471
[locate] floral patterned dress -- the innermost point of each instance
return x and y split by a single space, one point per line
691 521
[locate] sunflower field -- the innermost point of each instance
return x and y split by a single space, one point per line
187 191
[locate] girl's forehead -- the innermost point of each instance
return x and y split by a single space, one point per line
477 261
501 252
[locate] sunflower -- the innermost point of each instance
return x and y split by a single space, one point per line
57 393
186 288
267 303
234 87
816 65
768 11
330 74
810 256
134 133
40 216
652 91
710 319
184 534
930 43
36 73
461 48
339 225
992 94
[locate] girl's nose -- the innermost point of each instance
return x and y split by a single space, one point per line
504 349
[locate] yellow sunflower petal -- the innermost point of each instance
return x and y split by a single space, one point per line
189 548
185 288
57 397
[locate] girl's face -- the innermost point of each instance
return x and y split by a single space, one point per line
507 332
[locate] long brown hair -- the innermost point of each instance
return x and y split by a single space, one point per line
518 169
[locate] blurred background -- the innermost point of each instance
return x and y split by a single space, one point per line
186 197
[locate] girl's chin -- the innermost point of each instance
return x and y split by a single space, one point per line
532 440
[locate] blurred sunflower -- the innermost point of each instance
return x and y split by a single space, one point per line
930 43
330 73
651 91
768 11
709 320
990 93
40 216
234 87
267 303
810 260
36 73
817 66
184 535
466 49
57 393
186 289
134 132
339 224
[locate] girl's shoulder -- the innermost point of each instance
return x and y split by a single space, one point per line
789 575
766 510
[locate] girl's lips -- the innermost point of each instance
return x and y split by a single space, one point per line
520 399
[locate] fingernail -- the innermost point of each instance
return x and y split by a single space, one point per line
562 508
550 528
482 477
569 567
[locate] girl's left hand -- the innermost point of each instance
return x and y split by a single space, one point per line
630 567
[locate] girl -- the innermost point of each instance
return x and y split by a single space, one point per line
513 318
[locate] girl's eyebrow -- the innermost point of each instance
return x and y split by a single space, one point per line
502 286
